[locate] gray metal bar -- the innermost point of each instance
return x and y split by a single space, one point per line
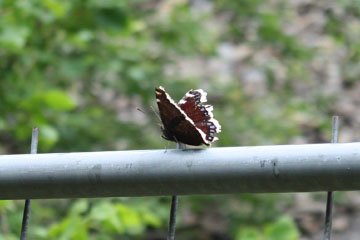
330 194
262 169
27 207
174 206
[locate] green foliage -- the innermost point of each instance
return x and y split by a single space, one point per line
78 70
249 233
270 31
100 219
69 228
282 229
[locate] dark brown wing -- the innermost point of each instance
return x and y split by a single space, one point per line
178 126
201 115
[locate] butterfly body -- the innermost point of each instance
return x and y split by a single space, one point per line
189 122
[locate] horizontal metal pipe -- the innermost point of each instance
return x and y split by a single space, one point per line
263 169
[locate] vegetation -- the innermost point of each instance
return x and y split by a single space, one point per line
79 69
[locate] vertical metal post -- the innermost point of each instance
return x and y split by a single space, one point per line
26 215
330 194
174 205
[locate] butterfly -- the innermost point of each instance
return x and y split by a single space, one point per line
188 122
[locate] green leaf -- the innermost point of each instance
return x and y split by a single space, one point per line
48 136
130 218
4 204
105 213
248 233
71 228
283 229
150 218
57 8
79 207
13 38
9 237
59 100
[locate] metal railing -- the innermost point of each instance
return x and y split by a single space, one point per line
262 169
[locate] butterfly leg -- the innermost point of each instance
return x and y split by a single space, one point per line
166 146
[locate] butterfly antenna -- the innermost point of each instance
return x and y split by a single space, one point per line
140 110
152 108
156 113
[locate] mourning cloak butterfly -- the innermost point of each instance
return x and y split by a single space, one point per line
189 122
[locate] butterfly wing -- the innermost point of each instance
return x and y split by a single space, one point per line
178 126
201 115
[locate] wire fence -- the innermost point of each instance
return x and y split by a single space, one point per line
262 169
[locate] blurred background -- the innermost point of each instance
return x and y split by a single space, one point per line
275 71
